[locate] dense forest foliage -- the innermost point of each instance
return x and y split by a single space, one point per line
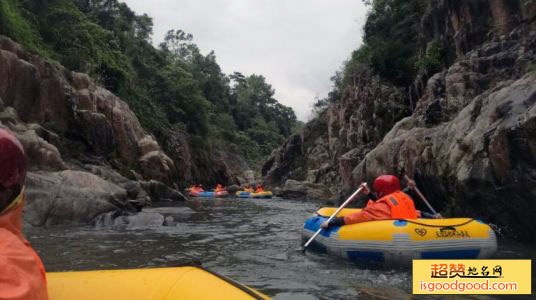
169 87
391 48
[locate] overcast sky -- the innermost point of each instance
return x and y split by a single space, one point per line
296 44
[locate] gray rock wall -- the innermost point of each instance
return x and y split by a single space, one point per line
482 163
94 120
75 134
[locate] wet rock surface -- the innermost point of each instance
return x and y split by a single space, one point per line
141 220
303 190
483 163
69 197
160 192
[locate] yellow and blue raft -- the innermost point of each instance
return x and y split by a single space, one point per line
244 194
185 283
397 242
265 195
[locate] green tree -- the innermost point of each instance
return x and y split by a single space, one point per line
172 87
390 40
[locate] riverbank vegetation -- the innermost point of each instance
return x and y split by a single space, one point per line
170 87
391 48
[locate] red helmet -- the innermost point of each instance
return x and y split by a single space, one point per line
12 160
386 184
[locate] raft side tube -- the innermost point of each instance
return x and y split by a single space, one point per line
265 195
191 282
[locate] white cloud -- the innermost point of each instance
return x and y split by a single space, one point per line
296 45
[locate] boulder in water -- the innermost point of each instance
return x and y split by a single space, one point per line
69 197
177 213
140 220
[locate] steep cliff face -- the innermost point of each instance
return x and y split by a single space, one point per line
202 165
93 121
481 163
87 151
74 134
466 133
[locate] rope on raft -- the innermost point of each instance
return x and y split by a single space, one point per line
439 226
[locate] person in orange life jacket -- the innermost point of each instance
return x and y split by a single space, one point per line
248 188
392 203
259 188
22 274
218 188
193 189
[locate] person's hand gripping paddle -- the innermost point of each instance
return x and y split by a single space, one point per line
334 214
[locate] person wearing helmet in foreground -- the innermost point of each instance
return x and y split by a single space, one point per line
22 274
392 204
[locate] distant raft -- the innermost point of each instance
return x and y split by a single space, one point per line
243 194
397 242
209 194
185 283
266 194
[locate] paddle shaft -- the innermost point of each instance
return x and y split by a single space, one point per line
422 196
332 216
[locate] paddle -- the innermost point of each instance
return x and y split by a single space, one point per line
423 198
333 216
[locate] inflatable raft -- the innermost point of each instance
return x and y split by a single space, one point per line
242 194
209 194
185 283
266 194
397 242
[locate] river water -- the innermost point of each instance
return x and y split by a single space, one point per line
254 241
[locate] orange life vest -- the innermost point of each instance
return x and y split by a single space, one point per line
402 206
22 274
